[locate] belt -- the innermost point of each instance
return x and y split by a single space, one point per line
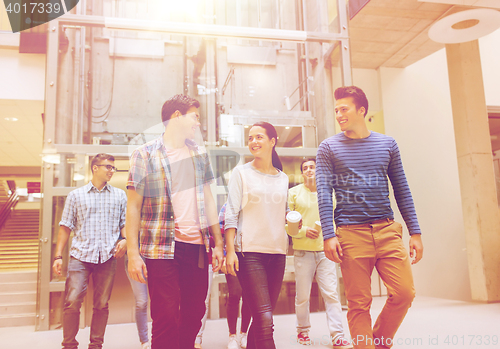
378 221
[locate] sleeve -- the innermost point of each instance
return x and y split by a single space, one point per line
138 172
324 185
68 218
402 192
292 197
208 176
123 208
234 200
222 218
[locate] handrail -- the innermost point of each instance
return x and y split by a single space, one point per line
7 208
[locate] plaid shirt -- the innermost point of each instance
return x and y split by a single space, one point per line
96 218
150 175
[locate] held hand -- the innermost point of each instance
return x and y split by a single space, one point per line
137 269
121 248
333 251
57 266
312 233
300 224
217 258
232 263
224 268
416 248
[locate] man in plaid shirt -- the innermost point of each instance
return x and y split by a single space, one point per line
96 215
171 212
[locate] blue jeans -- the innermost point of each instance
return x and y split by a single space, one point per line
103 275
177 289
141 305
260 276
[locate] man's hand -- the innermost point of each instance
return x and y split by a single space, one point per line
232 263
416 248
311 233
217 258
137 269
333 251
57 266
121 248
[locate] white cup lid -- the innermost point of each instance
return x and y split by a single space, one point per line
293 217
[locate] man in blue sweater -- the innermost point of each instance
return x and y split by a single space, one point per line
357 164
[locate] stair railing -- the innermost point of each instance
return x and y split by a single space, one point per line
7 208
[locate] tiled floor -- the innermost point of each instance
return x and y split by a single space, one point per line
431 323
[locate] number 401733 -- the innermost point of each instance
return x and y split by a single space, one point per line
33 7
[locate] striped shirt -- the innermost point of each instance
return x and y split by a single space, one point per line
96 218
151 176
358 170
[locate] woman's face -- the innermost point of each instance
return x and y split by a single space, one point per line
259 143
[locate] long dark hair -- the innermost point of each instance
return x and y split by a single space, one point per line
271 133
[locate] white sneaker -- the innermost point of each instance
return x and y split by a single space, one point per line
146 345
243 340
233 342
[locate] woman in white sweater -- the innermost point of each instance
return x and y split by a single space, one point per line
256 240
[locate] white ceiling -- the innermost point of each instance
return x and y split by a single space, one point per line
21 140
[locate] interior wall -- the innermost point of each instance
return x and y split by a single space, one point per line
25 74
417 112
489 48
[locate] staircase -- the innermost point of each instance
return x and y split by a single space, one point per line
18 268
19 241
18 298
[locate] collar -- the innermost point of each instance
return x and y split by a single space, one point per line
91 186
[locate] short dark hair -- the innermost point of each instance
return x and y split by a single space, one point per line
357 94
306 160
178 102
100 157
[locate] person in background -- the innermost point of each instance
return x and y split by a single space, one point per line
255 215
233 302
199 336
140 291
310 262
357 165
96 215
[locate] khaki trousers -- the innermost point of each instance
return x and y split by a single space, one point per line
378 244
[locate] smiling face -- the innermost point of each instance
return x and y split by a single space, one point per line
190 122
350 119
259 143
100 171
309 171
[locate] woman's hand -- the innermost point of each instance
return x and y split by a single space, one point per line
232 263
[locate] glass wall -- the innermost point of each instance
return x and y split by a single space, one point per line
245 61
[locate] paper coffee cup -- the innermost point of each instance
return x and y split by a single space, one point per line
317 226
293 219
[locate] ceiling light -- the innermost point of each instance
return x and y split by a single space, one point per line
78 177
52 158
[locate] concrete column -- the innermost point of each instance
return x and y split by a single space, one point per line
476 173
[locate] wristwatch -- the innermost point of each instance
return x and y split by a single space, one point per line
58 257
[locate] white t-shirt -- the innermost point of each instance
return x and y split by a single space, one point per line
257 205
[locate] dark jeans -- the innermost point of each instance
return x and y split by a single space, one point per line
177 289
260 276
233 306
103 275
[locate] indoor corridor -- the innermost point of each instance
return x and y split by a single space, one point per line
430 323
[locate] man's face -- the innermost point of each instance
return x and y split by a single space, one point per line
101 171
190 122
309 171
347 116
